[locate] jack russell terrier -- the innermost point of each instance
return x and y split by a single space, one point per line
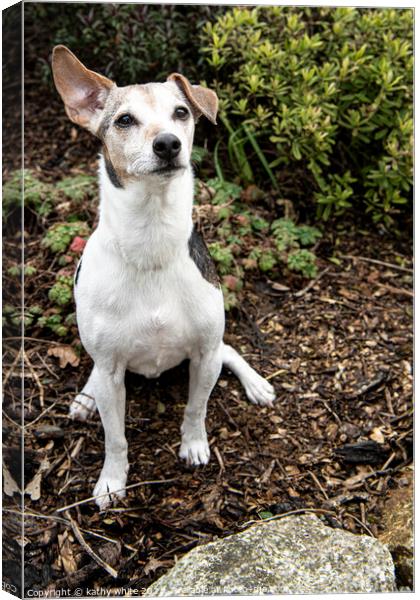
146 289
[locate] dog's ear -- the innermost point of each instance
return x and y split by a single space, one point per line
83 91
204 101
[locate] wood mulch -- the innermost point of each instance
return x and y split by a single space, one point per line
337 440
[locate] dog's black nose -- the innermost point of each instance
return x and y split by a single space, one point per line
166 145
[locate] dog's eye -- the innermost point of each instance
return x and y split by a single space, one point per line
181 113
124 121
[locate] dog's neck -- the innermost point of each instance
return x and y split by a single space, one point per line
147 222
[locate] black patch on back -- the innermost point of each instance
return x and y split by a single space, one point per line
112 174
201 256
76 277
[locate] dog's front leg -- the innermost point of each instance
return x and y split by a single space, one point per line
204 371
110 400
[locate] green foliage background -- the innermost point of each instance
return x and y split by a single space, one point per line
327 90
130 43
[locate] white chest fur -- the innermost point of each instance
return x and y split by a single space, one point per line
141 300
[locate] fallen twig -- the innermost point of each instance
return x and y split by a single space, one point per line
365 527
129 487
311 284
73 580
219 458
319 485
15 423
35 515
50 371
329 409
41 414
85 546
37 379
228 415
377 262
11 369
382 472
64 522
272 375
31 339
73 454
407 413
395 290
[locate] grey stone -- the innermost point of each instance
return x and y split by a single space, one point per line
398 532
296 554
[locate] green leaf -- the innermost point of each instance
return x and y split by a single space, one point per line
265 514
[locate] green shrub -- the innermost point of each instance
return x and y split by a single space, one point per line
14 315
37 193
60 235
247 241
288 238
288 235
324 91
61 292
65 239
16 271
58 240
222 256
77 187
302 261
54 323
131 43
224 190
41 196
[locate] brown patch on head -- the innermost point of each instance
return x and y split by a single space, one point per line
115 175
107 118
147 91
152 131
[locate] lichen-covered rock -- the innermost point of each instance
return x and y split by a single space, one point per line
296 554
398 532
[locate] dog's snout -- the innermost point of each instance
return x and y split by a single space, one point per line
166 145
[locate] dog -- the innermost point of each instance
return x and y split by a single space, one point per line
146 290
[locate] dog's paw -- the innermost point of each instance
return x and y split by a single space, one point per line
195 452
83 407
259 391
109 490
